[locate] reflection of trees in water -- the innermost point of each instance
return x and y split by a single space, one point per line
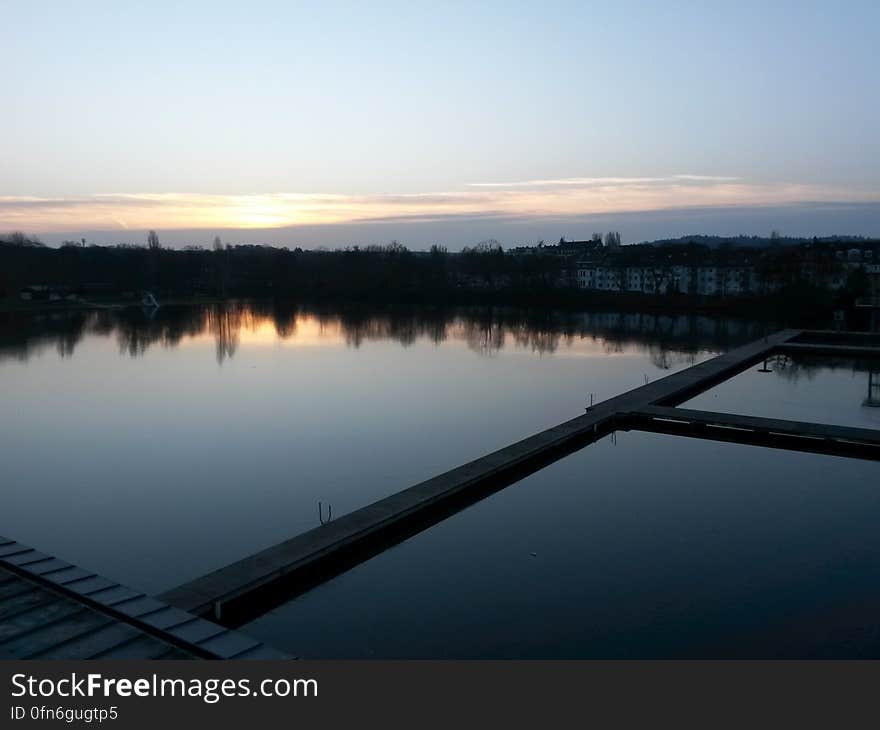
285 319
668 340
794 369
22 337
225 323
405 328
540 341
612 347
136 330
663 358
481 336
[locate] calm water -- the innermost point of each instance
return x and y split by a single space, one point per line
825 389
656 546
156 449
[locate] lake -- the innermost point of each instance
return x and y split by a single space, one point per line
154 448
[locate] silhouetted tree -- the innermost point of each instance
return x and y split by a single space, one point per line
612 239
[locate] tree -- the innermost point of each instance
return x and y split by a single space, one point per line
221 267
612 239
489 246
153 241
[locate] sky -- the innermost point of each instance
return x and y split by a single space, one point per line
336 123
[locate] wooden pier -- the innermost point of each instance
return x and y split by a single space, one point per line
50 609
243 589
846 344
816 438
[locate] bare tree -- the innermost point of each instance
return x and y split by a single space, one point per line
221 268
153 241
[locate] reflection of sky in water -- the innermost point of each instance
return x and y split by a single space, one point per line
824 389
156 450
657 546
157 468
485 331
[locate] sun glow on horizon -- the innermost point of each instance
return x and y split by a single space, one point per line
531 198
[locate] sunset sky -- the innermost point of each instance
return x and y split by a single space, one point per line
335 123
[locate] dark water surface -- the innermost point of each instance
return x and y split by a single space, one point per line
651 547
154 449
804 388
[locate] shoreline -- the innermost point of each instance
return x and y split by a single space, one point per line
13 307
770 307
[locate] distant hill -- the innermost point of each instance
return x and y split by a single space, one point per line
754 241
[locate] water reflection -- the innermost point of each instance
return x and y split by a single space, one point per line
165 465
794 369
725 551
485 331
831 389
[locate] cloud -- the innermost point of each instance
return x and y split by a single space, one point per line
550 198
706 178
578 181
603 181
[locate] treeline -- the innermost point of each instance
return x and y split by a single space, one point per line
255 271
480 274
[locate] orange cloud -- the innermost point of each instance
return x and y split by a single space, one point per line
530 198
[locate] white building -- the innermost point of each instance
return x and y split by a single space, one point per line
676 279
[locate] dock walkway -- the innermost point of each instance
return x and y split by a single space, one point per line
234 593
816 438
50 609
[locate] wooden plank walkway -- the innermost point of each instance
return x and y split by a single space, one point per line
241 590
50 609
833 342
824 348
817 438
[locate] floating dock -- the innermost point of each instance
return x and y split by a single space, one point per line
50 609
243 589
816 438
